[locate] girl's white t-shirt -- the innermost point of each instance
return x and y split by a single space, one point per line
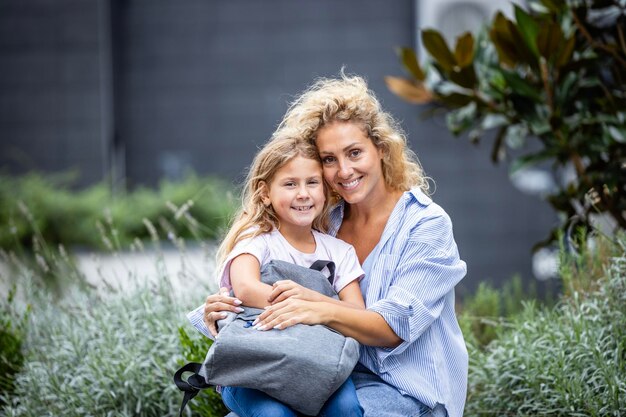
273 246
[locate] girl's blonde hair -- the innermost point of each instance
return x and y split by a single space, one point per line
348 99
254 218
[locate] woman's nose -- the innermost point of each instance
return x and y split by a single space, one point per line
345 169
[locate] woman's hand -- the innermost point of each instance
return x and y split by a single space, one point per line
216 306
285 289
289 312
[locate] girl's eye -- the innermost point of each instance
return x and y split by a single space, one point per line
314 182
290 184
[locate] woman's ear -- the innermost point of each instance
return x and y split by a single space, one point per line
264 192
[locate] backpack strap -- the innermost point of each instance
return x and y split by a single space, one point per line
192 386
320 264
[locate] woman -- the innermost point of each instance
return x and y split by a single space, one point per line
413 358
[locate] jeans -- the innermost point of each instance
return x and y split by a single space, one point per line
379 399
248 402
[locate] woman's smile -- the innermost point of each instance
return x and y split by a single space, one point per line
351 161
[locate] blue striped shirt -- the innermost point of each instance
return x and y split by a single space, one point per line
409 280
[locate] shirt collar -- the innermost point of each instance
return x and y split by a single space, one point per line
337 212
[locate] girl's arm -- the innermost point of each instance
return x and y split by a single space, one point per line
245 278
350 295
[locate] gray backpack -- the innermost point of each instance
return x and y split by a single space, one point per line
281 363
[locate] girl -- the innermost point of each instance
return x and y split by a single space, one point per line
283 217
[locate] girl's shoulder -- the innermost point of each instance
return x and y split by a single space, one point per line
331 243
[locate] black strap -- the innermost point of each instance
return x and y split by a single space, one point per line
320 264
192 386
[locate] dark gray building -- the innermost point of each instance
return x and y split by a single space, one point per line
137 90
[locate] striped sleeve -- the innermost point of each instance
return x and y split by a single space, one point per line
427 269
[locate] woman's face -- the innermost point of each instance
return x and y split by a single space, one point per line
351 162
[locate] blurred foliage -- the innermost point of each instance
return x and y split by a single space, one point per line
552 84
45 212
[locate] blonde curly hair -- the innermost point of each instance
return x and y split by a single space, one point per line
253 217
348 99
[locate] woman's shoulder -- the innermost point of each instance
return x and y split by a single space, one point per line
422 207
427 221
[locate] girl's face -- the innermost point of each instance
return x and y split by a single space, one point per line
297 194
351 161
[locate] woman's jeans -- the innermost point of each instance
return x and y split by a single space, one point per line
379 399
247 402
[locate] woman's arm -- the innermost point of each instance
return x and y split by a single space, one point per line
367 327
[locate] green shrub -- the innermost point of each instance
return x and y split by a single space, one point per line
12 333
561 361
483 314
48 210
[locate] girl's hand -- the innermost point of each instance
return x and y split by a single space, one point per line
285 289
289 312
215 308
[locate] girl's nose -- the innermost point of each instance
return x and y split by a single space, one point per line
303 192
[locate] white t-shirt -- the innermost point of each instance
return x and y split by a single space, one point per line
273 246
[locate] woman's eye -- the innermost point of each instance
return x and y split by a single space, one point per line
355 152
328 160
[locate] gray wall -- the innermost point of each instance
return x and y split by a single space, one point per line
146 89
50 87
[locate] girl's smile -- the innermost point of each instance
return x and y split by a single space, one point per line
296 193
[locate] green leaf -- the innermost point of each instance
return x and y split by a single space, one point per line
530 159
437 47
555 6
464 50
510 45
462 118
521 86
501 38
619 135
515 136
409 60
549 40
528 28
492 121
465 77
565 52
